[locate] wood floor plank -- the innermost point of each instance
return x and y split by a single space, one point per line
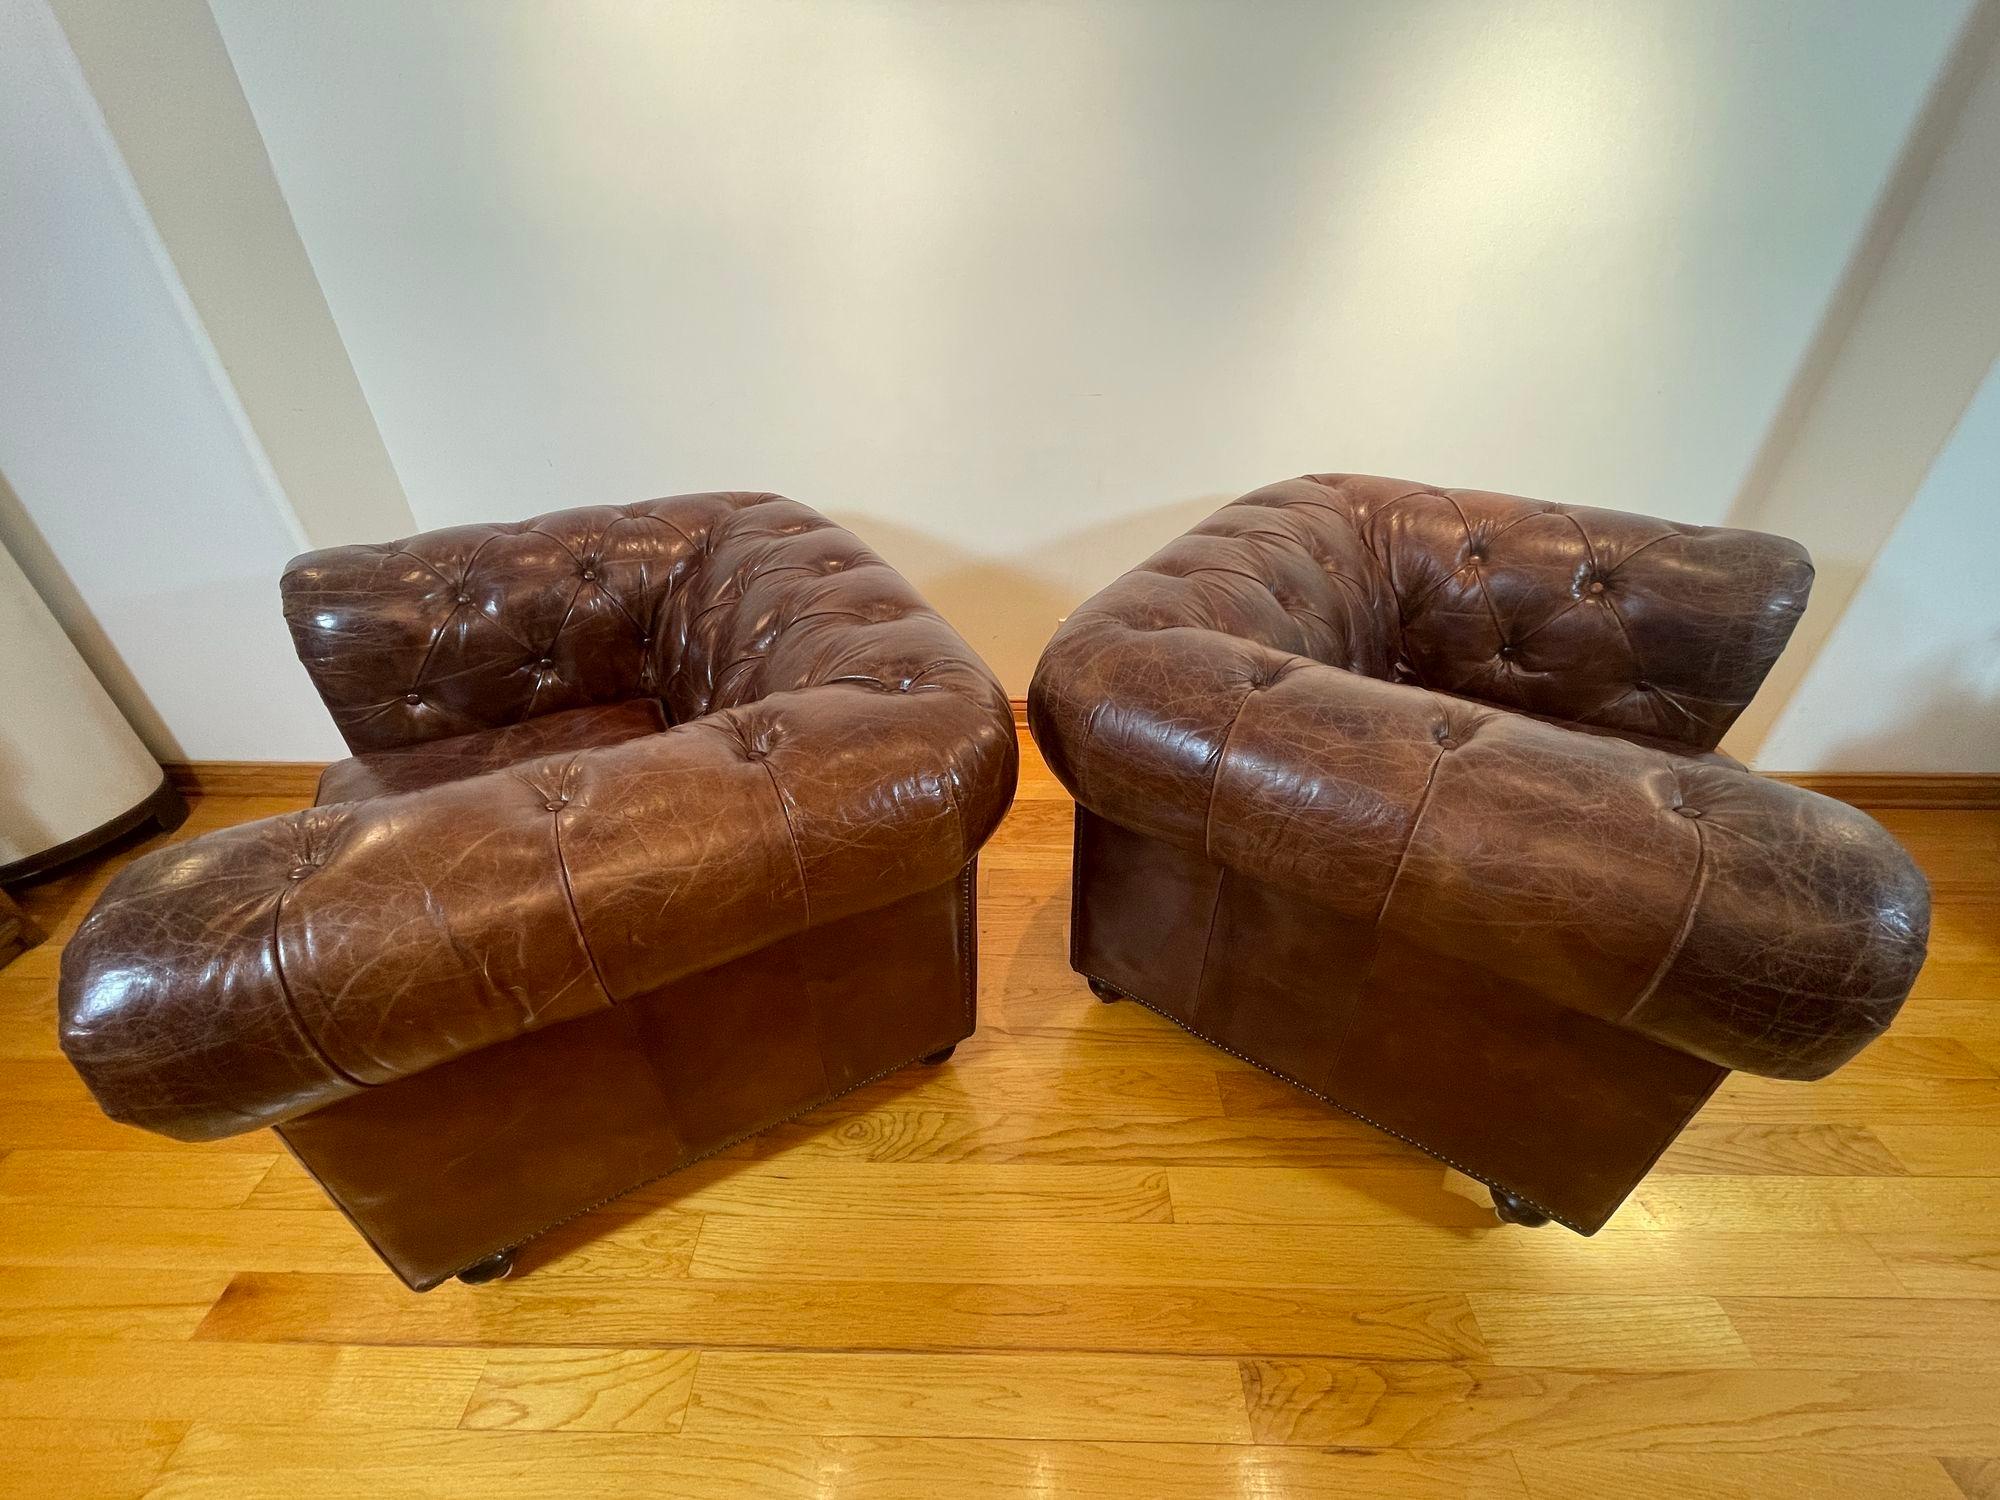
1428 1194
142 1304
1898 1056
1169 1090
27 1016
1414 1405
218 1463
1635 1332
1720 1148
89 1238
1976 1478
86 1380
1074 1397
76 1124
100 1460
129 1179
993 1134
1868 1333
583 1390
1566 1474
912 1190
1860 1205
1943 1265
1944 1150
549 1309
1403 1257
1840 1099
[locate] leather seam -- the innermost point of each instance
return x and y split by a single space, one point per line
791 833
1410 838
292 1005
1221 761
1696 887
569 899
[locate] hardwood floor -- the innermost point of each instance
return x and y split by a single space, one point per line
1087 1257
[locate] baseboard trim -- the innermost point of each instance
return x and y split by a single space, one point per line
246 778
1886 790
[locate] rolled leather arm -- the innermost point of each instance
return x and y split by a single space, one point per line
251 975
1747 922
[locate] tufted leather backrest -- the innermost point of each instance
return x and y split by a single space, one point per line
1592 617
701 601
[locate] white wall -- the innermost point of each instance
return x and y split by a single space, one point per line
177 114
1016 289
134 493
1913 332
1020 289
1910 677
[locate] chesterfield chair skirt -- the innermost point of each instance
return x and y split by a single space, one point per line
660 830
1411 797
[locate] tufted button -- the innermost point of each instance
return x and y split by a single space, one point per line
1475 558
1597 585
1688 812
1506 649
413 698
556 804
299 872
589 575
465 598
544 664
1642 686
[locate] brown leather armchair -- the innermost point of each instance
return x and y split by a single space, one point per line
661 830
1411 797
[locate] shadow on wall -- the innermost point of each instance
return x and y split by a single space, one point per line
1945 719
1885 693
1008 607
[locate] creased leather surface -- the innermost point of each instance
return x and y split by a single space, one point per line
1484 726
834 746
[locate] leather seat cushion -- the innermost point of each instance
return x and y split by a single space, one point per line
383 773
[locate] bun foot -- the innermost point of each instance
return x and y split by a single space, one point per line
1513 1210
1104 991
496 1267
932 1059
